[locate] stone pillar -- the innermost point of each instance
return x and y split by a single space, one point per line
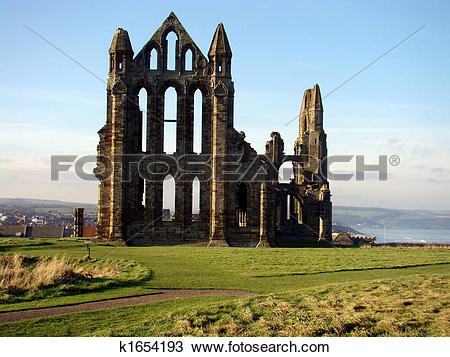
183 201
220 117
78 222
292 214
155 137
278 212
299 211
101 172
264 217
325 218
119 114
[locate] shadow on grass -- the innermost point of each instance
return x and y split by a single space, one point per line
8 247
321 244
348 270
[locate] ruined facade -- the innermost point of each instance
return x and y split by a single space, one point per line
242 202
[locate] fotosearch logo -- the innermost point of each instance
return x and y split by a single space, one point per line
184 168
361 167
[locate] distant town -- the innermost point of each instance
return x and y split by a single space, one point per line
50 218
42 218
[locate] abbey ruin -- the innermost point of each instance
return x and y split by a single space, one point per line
242 201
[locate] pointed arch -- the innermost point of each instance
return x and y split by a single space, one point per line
143 100
198 118
170 120
168 197
195 199
158 40
154 58
242 198
171 41
285 172
142 97
188 60
288 207
143 187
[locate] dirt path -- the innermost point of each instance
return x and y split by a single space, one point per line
105 304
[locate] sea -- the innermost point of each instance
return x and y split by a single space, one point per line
394 235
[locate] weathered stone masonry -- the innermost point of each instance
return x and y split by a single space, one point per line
253 209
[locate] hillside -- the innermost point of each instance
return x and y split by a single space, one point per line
375 217
40 205
355 217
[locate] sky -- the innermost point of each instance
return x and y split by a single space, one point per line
399 105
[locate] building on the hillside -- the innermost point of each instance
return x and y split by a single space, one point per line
13 230
341 238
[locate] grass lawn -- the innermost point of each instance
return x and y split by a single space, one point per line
287 276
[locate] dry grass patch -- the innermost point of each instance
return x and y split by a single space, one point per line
417 306
28 278
19 274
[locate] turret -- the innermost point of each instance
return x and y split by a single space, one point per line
311 141
316 109
120 52
275 149
316 98
311 112
220 53
304 113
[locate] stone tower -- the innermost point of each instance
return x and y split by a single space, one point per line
312 140
311 172
234 210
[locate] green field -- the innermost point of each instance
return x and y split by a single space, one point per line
302 291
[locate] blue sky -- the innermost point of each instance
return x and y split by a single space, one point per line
400 105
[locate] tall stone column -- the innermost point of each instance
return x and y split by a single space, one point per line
325 218
264 217
299 211
155 137
117 150
183 201
112 137
219 149
221 119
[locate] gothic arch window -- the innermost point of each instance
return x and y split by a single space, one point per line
168 198
170 121
143 95
188 60
198 114
142 100
242 204
285 172
154 58
288 207
171 39
195 199
144 191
